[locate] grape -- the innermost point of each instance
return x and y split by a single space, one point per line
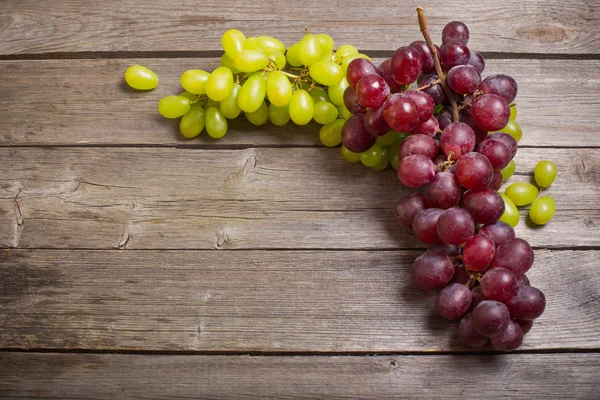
478 252
510 339
252 43
318 94
477 61
372 156
509 170
141 78
227 62
429 127
467 335
461 275
389 138
474 171
355 136
401 113
436 91
496 182
485 205
515 255
384 161
425 54
327 44
501 85
496 152
232 42
477 296
260 116
542 210
490 318
439 161
343 52
525 325
490 112
480 134
372 91
375 123
310 51
191 97
444 191
385 68
229 107
511 213
192 122
173 106
252 94
336 92
343 111
521 193
415 171
449 249
432 270
250 61
194 81
544 173
513 129
453 54
499 232
424 103
326 73
270 44
331 133
409 206
279 90
457 138
302 107
455 226
406 65
444 118
293 55
351 101
215 123
424 225
278 58
453 301
528 303
359 68
523 280
498 284
506 140
350 156
279 116
418 144
463 79
325 112
455 31
513 112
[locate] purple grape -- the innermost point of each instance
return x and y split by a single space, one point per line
432 270
506 140
453 301
418 144
525 325
424 103
474 171
415 171
453 54
496 182
528 303
467 335
444 191
477 61
464 79
485 205
478 253
490 112
501 85
455 31
499 232
375 123
461 276
386 73
457 138
351 101
359 68
480 134
372 91
406 65
429 128
515 255
455 226
490 318
436 91
401 113
495 151
498 284
409 206
510 339
355 136
477 296
427 64
444 118
424 225
449 249
523 280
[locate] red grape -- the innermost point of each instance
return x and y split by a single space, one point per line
444 191
375 123
528 303
406 65
463 79
501 85
480 134
515 255
490 112
432 270
455 226
424 225
453 301
523 280
506 140
467 335
490 318
496 182
429 127
461 275
372 91
498 284
510 339
386 73
455 31
426 59
351 101
424 103
453 54
401 113
436 91
525 325
355 136
474 171
457 138
415 171
478 252
418 144
477 296
485 205
495 151
409 206
449 249
358 68
477 61
444 118
499 232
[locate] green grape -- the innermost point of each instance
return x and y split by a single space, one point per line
513 129
348 60
229 107
394 148
542 210
544 173
250 61
141 78
271 45
343 111
219 84
310 51
331 133
173 106
279 90
513 113
279 116
326 73
188 95
302 107
194 81
293 54
233 42
388 138
521 193
326 42
511 213
336 92
254 44
279 59
260 116
344 51
385 160
227 62
319 94
509 170
192 122
350 156
252 94
371 157
215 123
325 112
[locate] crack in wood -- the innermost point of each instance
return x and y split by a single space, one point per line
124 238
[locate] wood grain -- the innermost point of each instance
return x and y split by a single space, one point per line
297 301
67 102
550 26
105 198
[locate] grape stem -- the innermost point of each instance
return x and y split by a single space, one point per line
436 62
428 85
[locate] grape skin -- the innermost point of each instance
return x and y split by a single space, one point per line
467 335
528 303
418 144
510 339
490 112
485 205
453 301
406 65
432 270
478 252
444 191
401 113
457 138
416 171
474 171
424 225
490 318
515 255
455 226
499 284
409 206
424 102
355 136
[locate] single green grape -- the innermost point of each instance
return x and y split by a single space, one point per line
260 116
310 50
326 73
542 210
513 129
188 95
325 112
394 149
252 94
192 122
384 161
521 193
215 123
509 170
388 138
271 45
336 92
279 59
302 107
229 107
293 55
254 44
344 51
279 89
227 62
544 173
513 113
279 116
343 111
511 213
348 60
319 94
219 84
233 42
371 157
141 78
326 42
194 81
331 133
349 156
173 106
250 61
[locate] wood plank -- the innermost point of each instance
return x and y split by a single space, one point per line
266 301
541 26
165 198
56 102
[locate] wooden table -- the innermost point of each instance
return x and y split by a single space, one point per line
137 264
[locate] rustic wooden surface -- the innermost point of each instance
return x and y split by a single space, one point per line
118 236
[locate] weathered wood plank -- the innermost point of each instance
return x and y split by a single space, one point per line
262 301
541 26
86 101
106 198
